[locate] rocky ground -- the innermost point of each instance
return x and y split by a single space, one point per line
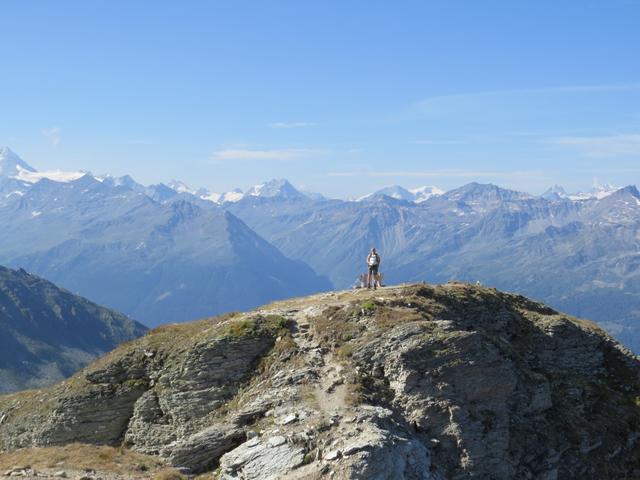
411 382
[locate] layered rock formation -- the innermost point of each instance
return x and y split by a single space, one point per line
414 382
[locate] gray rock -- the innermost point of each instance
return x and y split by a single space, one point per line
276 441
201 451
261 462
333 455
289 419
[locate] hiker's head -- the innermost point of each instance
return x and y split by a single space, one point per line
373 250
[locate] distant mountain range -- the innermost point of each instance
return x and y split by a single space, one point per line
599 192
167 252
47 334
156 254
580 256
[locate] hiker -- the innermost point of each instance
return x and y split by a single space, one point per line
373 263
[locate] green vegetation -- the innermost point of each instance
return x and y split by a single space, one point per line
309 457
239 329
254 326
368 307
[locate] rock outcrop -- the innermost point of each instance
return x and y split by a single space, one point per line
411 382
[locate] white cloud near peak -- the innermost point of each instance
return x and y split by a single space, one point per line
53 134
275 154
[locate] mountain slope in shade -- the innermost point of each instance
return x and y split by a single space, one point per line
47 333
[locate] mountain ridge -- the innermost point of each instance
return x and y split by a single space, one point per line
154 260
410 382
284 189
48 333
578 254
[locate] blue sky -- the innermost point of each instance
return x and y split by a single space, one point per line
339 97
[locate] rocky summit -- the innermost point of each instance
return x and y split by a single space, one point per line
410 382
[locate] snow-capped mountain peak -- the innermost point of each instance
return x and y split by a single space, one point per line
556 192
180 187
207 195
276 188
125 180
393 191
11 164
417 195
422 194
598 192
234 195
61 176
603 191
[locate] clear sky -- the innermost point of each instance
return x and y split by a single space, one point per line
338 96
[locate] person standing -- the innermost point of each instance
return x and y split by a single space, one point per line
373 264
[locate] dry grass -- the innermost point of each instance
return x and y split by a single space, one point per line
355 394
77 456
168 474
337 326
307 394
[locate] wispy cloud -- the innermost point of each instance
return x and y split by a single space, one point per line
292 124
437 173
276 154
603 146
436 102
611 87
437 142
53 134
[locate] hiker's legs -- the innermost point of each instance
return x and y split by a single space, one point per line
373 276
